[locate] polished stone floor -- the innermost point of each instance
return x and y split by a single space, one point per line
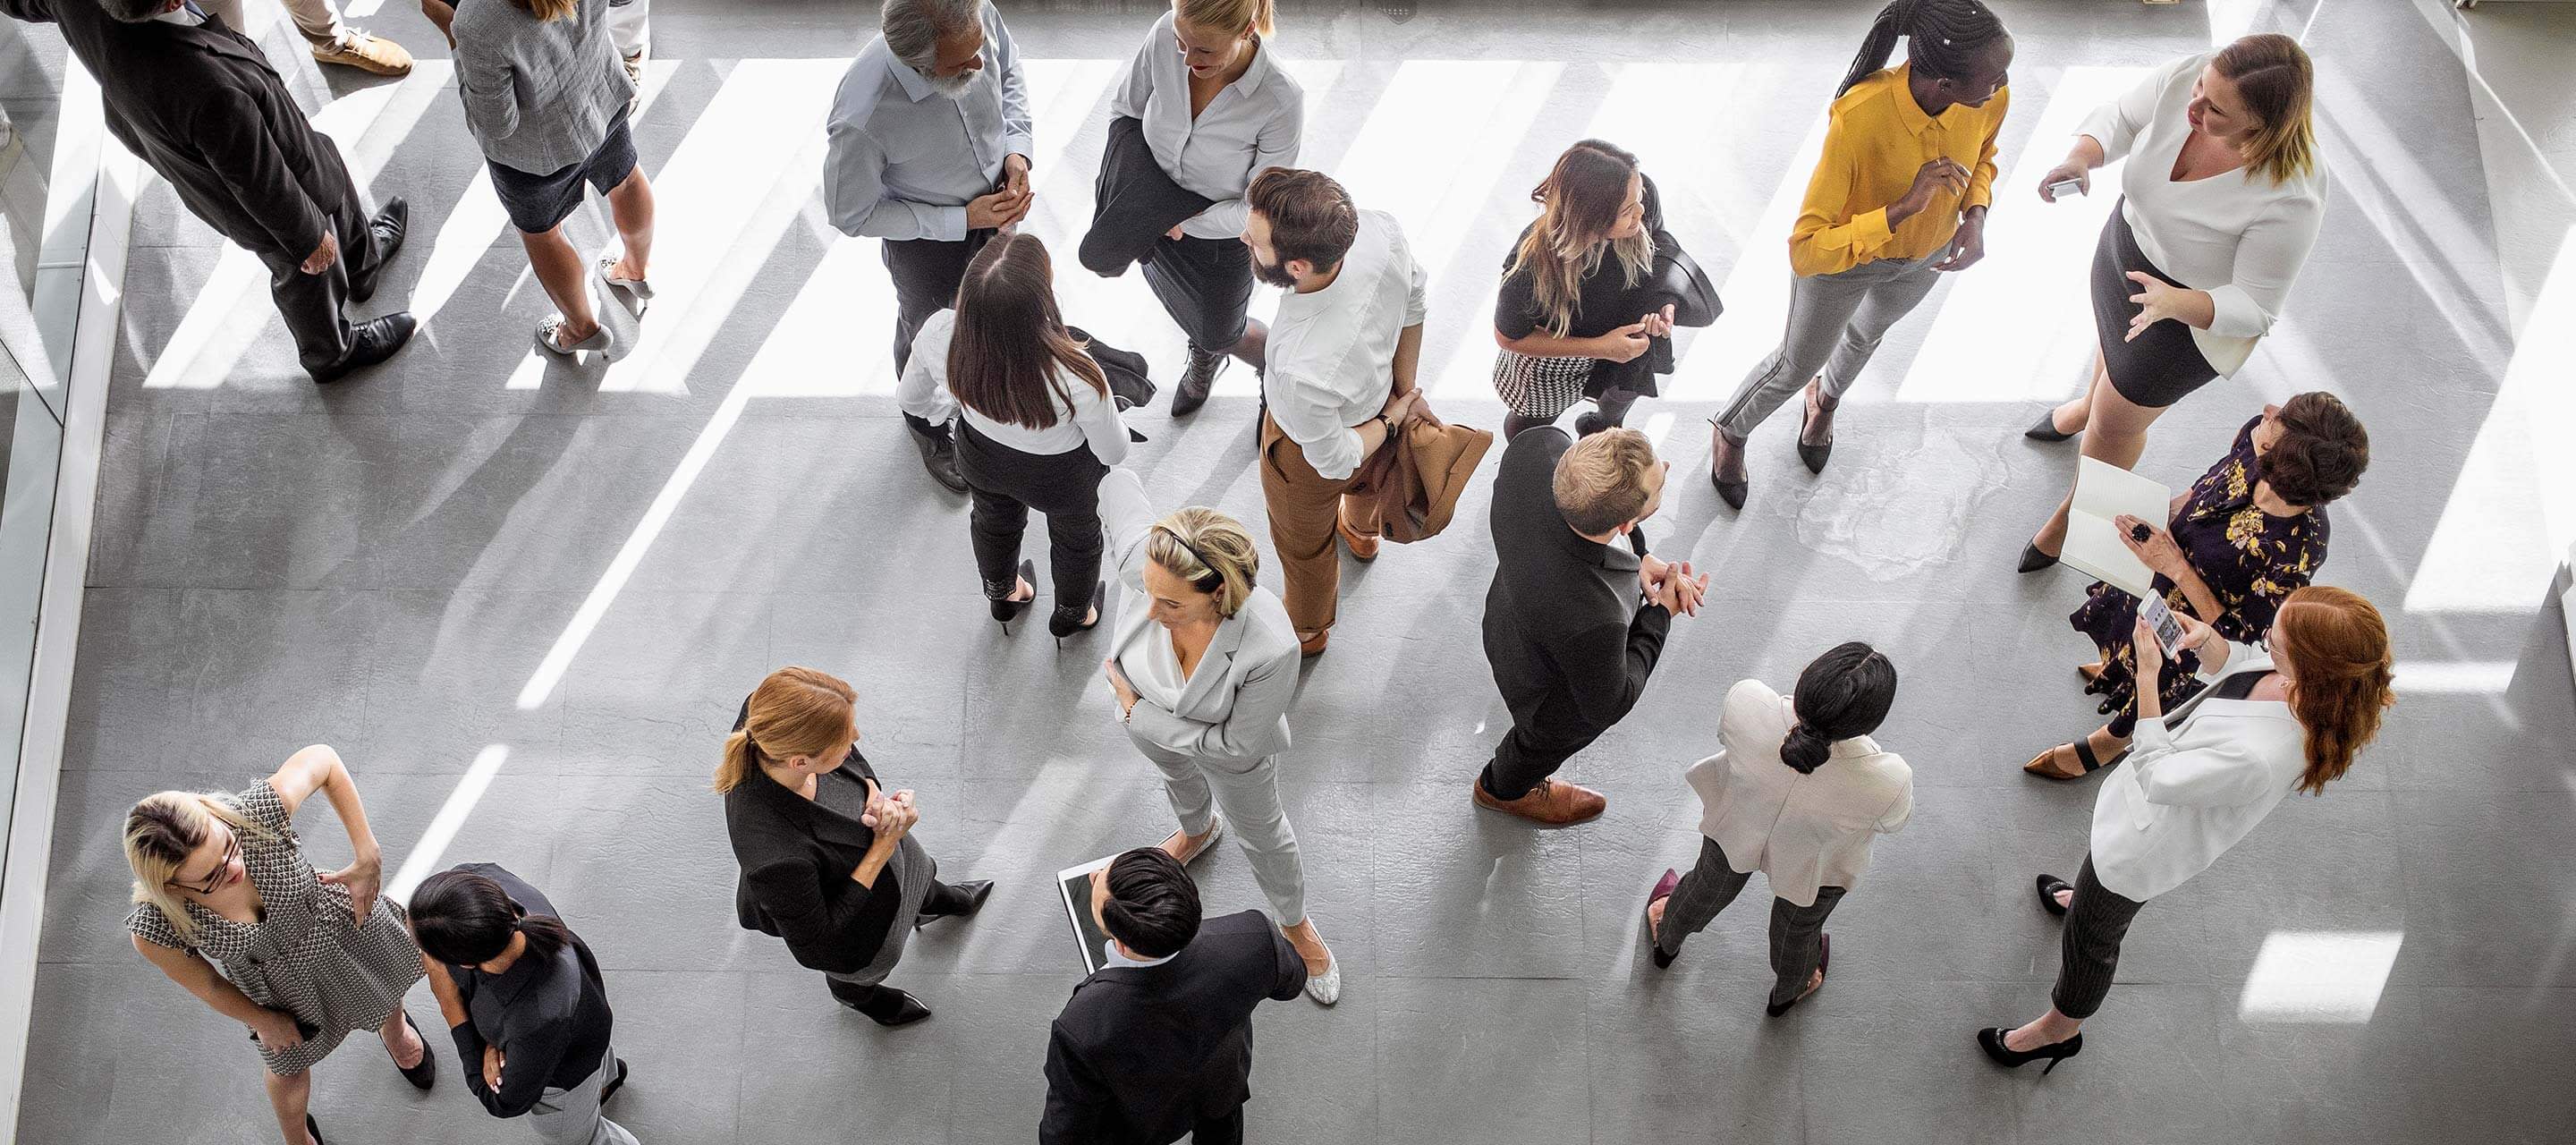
523 598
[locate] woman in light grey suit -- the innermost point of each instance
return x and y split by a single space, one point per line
546 95
1204 669
1799 793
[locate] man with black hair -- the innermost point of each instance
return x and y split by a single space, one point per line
1158 1043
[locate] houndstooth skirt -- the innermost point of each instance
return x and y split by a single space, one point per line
1540 387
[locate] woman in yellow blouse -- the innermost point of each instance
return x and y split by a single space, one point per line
1899 196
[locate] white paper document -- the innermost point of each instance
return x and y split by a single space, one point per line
2104 492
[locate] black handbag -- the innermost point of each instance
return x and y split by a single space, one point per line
1695 301
1128 383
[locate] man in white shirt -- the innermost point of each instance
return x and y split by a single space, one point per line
930 142
1341 358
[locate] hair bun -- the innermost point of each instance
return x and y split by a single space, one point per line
1804 750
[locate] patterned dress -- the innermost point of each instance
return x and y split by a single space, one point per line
306 955
2250 559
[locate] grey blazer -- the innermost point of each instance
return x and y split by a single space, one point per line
1236 704
538 96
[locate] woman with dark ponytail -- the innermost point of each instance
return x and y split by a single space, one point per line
1798 792
1899 196
523 999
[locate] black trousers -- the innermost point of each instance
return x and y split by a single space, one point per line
1226 1130
310 303
1535 747
1206 286
1797 932
1005 484
2088 950
926 273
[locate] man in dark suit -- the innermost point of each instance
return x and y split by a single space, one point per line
1574 623
198 102
1158 1043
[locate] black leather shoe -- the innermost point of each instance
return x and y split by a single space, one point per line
2046 430
373 341
425 1074
1729 489
1588 423
315 1129
939 456
1815 455
389 226
1196 381
2033 560
975 890
888 1007
1991 1040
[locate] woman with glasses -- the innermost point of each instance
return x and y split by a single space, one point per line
227 905
1204 670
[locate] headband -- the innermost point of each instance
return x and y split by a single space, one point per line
1184 542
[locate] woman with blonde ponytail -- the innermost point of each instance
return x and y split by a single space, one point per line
227 905
828 859
2199 780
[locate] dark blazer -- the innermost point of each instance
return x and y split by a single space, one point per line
1566 629
1134 202
1142 1054
796 862
202 106
549 1016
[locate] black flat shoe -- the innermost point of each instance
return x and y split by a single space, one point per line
2049 885
1824 961
423 1075
1006 610
2046 430
2033 560
389 226
1063 624
1991 1040
976 891
315 1129
370 342
614 1084
889 1007
1591 422
939 459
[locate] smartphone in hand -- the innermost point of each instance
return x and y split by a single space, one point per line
2064 187
2161 620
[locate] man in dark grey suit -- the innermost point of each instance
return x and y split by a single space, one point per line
197 101
1158 1043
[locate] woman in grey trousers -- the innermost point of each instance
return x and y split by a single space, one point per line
546 94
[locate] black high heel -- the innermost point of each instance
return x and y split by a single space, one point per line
1006 610
2033 560
2049 885
424 1074
315 1129
1991 1040
2047 429
1060 626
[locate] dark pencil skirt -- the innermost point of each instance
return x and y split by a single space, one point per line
1205 285
2163 365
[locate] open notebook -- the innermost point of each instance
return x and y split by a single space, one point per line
2102 493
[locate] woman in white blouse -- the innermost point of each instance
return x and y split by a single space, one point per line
2195 783
1036 425
1798 793
2220 203
1204 668
1217 109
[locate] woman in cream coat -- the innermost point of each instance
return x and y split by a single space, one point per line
1204 670
1798 793
2269 724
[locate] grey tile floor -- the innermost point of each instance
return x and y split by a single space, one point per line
390 565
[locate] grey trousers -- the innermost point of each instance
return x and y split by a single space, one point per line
1250 800
2088 949
572 1117
1796 931
1835 323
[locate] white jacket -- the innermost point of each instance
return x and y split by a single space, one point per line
2184 796
1801 831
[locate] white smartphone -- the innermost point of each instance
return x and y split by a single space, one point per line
2060 188
2160 620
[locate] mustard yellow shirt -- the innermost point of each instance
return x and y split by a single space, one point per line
1877 140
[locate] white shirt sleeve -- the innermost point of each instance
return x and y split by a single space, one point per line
1275 146
1138 89
1417 296
923 389
1019 131
2268 258
1331 447
854 190
2115 125
1097 415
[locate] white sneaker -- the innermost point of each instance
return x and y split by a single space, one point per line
1326 988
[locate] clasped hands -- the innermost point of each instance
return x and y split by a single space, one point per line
1005 207
1629 342
1670 584
890 816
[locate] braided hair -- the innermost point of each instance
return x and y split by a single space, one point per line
1942 37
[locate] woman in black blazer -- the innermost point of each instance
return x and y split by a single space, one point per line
828 858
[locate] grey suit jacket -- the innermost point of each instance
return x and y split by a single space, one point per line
539 96
1236 704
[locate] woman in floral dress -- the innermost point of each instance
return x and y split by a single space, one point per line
2240 540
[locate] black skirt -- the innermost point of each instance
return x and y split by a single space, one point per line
2163 365
1205 285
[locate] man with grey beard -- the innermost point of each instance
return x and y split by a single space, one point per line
930 142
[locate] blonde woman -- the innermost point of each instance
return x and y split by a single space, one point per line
2220 203
1214 108
828 858
227 905
1205 668
1583 311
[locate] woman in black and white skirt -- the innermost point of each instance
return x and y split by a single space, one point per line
1591 293
2220 204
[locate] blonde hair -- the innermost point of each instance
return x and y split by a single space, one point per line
1210 550
1234 17
1601 481
161 832
548 11
2278 83
795 711
1580 200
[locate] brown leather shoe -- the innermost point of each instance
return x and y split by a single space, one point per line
1362 545
1313 645
1550 804
374 55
